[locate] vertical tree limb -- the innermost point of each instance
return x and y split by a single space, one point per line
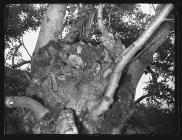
51 28
52 25
100 22
110 15
114 47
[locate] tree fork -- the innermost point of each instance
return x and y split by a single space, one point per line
126 57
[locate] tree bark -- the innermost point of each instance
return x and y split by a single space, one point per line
51 27
76 84
27 102
125 93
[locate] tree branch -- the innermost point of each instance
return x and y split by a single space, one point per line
110 15
51 28
141 98
126 57
52 25
106 38
26 102
114 47
25 48
101 25
21 64
153 7
27 76
138 64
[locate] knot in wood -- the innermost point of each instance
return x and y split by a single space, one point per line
106 98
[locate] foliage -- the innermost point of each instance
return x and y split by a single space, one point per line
162 90
151 120
18 19
15 82
22 17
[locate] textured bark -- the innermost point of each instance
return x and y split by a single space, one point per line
126 91
51 27
77 77
114 46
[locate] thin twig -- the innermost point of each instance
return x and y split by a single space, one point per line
154 77
100 22
110 16
21 63
141 98
26 49
153 7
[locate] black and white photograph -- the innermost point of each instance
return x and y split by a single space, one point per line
90 68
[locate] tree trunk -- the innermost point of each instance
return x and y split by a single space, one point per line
74 79
51 28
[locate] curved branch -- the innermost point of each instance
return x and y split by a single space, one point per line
27 102
141 98
126 57
21 64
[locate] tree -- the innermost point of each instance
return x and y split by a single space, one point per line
87 79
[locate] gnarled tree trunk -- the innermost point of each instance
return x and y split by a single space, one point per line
87 87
